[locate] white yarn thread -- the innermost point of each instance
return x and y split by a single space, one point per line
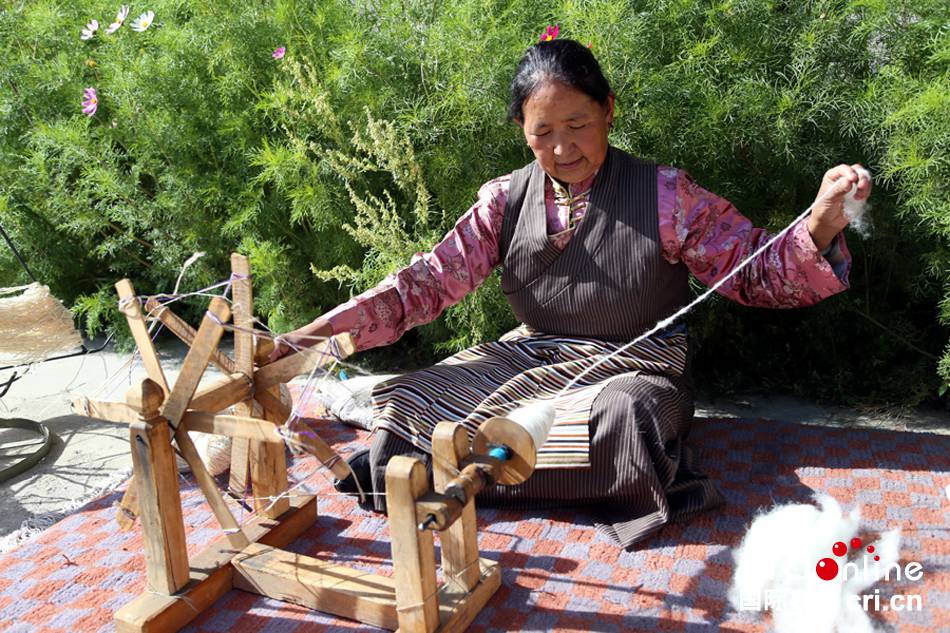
668 321
855 212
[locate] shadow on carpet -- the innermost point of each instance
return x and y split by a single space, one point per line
559 573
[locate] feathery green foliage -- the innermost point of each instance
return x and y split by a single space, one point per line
332 166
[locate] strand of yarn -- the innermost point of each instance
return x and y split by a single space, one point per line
536 418
857 209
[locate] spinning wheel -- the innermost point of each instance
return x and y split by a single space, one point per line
249 557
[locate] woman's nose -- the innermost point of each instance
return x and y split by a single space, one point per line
562 147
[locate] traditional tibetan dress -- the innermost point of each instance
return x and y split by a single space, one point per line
586 269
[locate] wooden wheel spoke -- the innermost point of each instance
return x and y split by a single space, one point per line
185 333
196 361
130 305
181 587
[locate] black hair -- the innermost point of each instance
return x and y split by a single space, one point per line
567 61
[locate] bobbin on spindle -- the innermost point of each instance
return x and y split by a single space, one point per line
504 451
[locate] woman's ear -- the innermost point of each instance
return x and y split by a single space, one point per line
610 110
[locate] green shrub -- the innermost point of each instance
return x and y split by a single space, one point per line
332 166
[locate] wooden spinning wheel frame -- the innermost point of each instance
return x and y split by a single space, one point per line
249 557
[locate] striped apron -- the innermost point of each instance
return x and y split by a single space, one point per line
618 442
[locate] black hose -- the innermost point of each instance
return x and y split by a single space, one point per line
17 253
33 458
83 351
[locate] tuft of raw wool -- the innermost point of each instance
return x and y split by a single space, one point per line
857 210
34 325
350 400
777 560
214 451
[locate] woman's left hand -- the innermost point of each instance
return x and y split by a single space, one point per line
827 217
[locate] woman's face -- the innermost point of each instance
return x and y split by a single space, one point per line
566 130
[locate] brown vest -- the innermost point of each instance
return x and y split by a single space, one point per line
611 281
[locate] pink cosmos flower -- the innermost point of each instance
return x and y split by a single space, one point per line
90 101
549 34
279 52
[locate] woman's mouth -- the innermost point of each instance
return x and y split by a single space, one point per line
570 165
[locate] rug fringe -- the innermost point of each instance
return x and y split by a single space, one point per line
36 525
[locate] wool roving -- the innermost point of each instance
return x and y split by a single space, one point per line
809 568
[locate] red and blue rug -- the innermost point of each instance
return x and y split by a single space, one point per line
559 573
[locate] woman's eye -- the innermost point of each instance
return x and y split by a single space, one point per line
542 133
578 127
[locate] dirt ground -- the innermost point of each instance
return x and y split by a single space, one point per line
89 457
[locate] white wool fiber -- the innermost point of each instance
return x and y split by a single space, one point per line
856 210
778 556
350 400
537 418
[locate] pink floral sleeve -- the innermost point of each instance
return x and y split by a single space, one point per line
697 227
432 281
711 237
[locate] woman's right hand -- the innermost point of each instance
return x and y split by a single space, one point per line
317 330
827 217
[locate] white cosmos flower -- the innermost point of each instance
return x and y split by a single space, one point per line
119 19
90 30
144 21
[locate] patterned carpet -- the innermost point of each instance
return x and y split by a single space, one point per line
559 573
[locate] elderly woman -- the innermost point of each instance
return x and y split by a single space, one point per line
595 248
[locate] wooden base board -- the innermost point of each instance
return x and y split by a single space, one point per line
295 578
319 585
212 574
351 593
457 608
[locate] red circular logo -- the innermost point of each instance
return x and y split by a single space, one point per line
826 569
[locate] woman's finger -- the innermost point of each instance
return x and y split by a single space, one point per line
278 352
864 181
835 175
840 179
